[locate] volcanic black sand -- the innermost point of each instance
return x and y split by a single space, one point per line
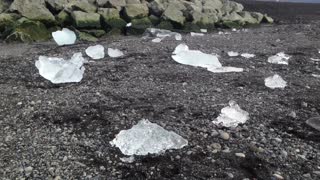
63 131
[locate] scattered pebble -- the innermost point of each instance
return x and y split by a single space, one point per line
224 135
278 176
242 155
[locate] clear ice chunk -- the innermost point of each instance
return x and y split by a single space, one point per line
95 52
147 138
183 55
196 34
114 53
64 37
204 30
58 70
232 115
161 33
233 54
280 58
248 55
275 81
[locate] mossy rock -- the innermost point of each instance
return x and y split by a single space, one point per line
139 26
115 23
83 36
115 32
26 30
64 18
154 20
95 32
165 25
86 20
7 21
231 24
191 27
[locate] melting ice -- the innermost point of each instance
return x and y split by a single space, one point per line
95 52
233 54
64 37
58 70
275 81
247 55
280 58
114 53
162 33
147 138
232 115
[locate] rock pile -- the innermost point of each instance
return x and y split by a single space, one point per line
33 20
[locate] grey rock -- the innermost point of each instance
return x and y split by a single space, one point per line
314 122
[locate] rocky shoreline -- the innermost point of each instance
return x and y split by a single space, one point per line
34 20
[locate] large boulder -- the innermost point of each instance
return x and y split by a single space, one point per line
26 30
139 26
233 20
33 10
258 16
134 11
86 20
157 7
174 13
212 6
6 21
4 5
57 5
111 18
64 18
82 5
248 18
118 4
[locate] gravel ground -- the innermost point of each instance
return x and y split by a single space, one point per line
63 131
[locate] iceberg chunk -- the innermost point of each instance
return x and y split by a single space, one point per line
248 55
196 34
183 55
162 33
114 53
95 52
280 58
64 37
275 81
58 70
233 54
147 138
232 115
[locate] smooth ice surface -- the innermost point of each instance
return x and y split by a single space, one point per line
275 81
225 69
183 55
247 55
156 40
114 53
58 70
196 34
162 33
314 122
95 52
233 54
204 30
232 115
280 58
64 37
147 138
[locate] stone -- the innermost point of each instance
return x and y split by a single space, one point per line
111 19
33 10
134 11
157 7
139 26
248 18
26 30
233 20
174 14
85 20
64 18
4 5
57 5
81 5
267 19
95 32
83 36
258 16
7 21
242 155
133 2
212 6
314 122
118 4
224 135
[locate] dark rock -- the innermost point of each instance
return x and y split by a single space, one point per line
314 122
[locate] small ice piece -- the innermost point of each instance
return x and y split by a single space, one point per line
147 138
232 115
114 53
129 25
220 33
247 55
183 55
314 122
314 59
233 54
58 70
156 40
161 33
280 58
95 52
64 37
275 81
203 30
225 69
316 75
130 159
234 29
196 34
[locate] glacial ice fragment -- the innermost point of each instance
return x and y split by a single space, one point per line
275 81
161 33
157 40
225 69
147 138
183 55
129 25
58 70
95 52
196 34
232 115
64 37
247 55
233 54
114 53
204 30
280 58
